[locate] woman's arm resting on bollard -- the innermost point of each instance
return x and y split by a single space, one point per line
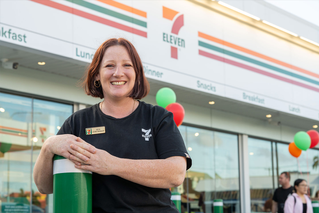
59 145
157 173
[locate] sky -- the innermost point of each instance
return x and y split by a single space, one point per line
305 9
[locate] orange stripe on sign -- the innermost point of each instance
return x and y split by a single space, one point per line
169 13
242 49
20 130
124 7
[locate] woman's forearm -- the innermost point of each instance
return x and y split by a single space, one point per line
43 171
159 173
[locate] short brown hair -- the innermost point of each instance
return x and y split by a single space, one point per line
141 86
287 174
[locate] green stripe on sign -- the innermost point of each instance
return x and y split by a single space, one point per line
13 131
253 61
109 12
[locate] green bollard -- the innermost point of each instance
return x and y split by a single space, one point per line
176 198
72 187
315 206
218 206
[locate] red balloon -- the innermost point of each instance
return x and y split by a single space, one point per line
178 112
314 136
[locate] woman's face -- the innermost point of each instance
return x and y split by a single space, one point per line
116 73
302 188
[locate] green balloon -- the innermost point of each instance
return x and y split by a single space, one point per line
165 96
5 147
302 140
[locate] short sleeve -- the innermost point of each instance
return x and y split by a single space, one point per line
274 198
169 141
66 127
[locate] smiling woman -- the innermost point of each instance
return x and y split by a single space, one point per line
138 154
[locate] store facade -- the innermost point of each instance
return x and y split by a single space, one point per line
205 51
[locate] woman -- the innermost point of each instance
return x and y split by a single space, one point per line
134 149
299 202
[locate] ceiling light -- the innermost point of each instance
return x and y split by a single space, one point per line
196 134
251 153
279 28
211 102
58 127
35 139
190 148
238 10
41 63
315 126
268 116
2 110
315 43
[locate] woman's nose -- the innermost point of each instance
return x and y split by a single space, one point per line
118 72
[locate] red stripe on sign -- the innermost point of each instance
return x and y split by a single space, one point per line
174 52
91 17
253 69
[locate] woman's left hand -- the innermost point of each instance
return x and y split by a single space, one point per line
101 162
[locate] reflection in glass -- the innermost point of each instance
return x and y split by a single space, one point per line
214 173
23 129
260 175
15 152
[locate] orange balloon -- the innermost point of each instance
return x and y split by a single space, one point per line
294 151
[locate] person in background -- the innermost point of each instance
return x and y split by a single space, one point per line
299 202
281 193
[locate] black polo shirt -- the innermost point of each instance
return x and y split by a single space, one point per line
147 133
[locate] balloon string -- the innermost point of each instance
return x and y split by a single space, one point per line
298 166
307 169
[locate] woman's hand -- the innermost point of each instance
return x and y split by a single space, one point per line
100 162
62 145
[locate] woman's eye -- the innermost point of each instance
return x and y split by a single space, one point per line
127 65
109 65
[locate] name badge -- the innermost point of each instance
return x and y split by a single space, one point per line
95 130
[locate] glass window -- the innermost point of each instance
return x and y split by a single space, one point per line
260 174
25 123
214 173
15 152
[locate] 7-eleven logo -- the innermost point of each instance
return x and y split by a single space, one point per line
88 131
172 38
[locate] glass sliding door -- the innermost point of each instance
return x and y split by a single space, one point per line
260 174
214 173
25 123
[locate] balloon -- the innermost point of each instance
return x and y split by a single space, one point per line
294 151
5 147
302 140
314 137
178 112
165 96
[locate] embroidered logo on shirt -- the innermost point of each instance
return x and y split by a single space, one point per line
95 130
147 134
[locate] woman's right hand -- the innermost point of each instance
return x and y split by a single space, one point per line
61 145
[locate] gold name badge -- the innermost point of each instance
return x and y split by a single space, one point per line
95 130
